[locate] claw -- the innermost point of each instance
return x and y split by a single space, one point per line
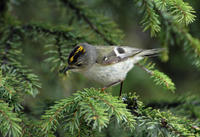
103 89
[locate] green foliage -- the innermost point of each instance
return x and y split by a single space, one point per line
99 24
158 77
32 127
11 57
182 11
90 108
190 44
154 122
174 15
151 18
17 79
186 106
163 80
192 48
9 122
91 112
179 11
59 41
9 86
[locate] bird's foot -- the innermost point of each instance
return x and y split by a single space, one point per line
103 89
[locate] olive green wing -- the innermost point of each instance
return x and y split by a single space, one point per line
113 54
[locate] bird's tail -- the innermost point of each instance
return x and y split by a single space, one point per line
151 52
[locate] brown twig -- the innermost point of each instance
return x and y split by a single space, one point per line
87 20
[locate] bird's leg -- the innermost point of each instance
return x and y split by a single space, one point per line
110 85
121 85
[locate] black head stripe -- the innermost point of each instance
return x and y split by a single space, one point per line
74 55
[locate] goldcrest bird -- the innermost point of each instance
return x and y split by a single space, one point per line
107 65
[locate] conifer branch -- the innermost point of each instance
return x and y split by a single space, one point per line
175 15
102 27
51 117
92 107
187 106
158 77
59 49
90 111
10 89
49 30
151 18
6 88
86 19
9 125
159 123
190 44
64 38
182 11
31 127
10 60
162 105
193 49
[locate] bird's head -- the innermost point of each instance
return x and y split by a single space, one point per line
81 57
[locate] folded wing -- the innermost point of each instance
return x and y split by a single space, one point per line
115 54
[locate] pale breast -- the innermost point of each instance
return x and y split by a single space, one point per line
108 74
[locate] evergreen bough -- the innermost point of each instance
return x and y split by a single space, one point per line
90 111
90 108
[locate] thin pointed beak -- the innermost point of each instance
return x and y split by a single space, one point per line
65 69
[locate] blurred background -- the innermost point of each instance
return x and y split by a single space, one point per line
185 76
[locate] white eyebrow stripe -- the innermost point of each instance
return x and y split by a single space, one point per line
121 55
116 52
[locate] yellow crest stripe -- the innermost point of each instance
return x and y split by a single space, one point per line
78 50
71 59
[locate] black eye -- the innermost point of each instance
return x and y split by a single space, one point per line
79 65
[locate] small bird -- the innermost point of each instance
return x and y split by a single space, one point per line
107 65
